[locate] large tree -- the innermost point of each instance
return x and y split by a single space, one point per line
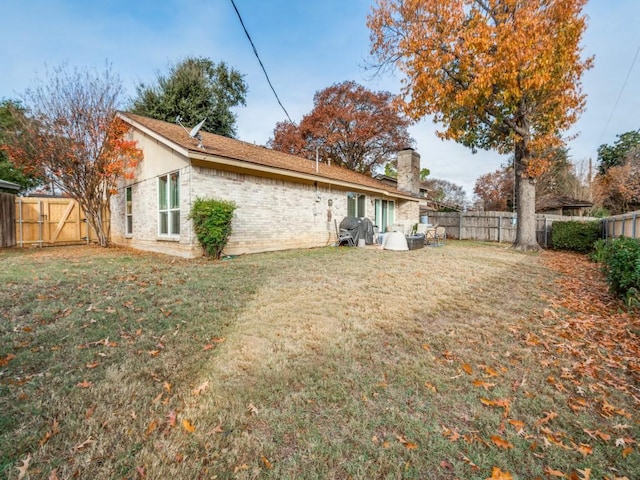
350 126
72 137
497 74
194 89
446 193
495 190
615 155
11 113
620 184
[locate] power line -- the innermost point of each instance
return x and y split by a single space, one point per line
633 62
255 51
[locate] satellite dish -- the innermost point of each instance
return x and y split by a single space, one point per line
196 129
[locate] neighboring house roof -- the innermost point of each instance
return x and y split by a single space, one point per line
555 202
216 148
4 185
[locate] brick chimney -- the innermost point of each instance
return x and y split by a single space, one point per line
409 171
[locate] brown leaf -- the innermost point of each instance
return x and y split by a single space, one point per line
22 471
554 473
92 365
251 408
84 384
200 388
501 403
167 386
501 442
446 465
53 475
152 426
467 368
266 462
497 474
517 424
4 361
468 461
188 426
548 417
584 449
171 418
627 451
483 384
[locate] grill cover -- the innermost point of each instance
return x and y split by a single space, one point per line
358 227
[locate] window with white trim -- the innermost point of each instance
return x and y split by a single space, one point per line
128 211
169 204
355 204
385 213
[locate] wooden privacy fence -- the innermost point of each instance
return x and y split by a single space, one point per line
50 221
625 225
495 226
7 220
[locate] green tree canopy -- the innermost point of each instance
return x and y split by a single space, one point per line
10 111
194 89
614 155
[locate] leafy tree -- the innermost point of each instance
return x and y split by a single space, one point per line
350 126
496 190
614 155
497 74
621 183
194 89
73 138
10 113
445 192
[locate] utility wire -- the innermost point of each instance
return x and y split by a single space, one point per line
255 51
633 62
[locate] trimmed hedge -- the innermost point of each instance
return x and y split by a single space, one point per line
620 260
212 224
575 236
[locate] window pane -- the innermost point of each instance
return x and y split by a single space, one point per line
391 215
351 205
361 199
175 222
175 190
164 223
162 193
129 225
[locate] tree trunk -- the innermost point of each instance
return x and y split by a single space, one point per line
525 203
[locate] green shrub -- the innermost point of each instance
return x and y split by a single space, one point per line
621 265
212 224
575 236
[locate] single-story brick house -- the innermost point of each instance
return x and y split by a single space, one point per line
283 201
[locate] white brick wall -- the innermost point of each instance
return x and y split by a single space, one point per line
272 214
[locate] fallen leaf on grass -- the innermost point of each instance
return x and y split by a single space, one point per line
627 451
497 474
501 442
430 386
188 426
597 434
171 418
468 461
489 371
4 361
554 473
200 388
167 386
92 365
467 368
251 408
446 465
244 466
408 445
501 403
84 384
548 417
266 462
152 426
483 384
517 424
22 471
82 445
584 449
54 474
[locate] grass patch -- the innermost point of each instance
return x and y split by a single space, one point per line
329 363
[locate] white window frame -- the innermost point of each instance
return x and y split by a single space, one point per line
356 203
169 205
385 213
128 211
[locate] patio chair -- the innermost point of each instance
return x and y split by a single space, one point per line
439 236
343 236
430 234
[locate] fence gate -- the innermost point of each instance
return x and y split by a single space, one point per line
50 221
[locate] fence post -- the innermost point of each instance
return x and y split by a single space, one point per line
546 237
633 225
460 227
500 229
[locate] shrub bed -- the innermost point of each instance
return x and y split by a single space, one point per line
212 224
575 236
620 260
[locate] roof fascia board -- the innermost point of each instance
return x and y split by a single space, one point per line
153 134
206 160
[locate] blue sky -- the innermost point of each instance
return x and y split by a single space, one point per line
305 45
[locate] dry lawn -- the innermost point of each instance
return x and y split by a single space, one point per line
450 362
